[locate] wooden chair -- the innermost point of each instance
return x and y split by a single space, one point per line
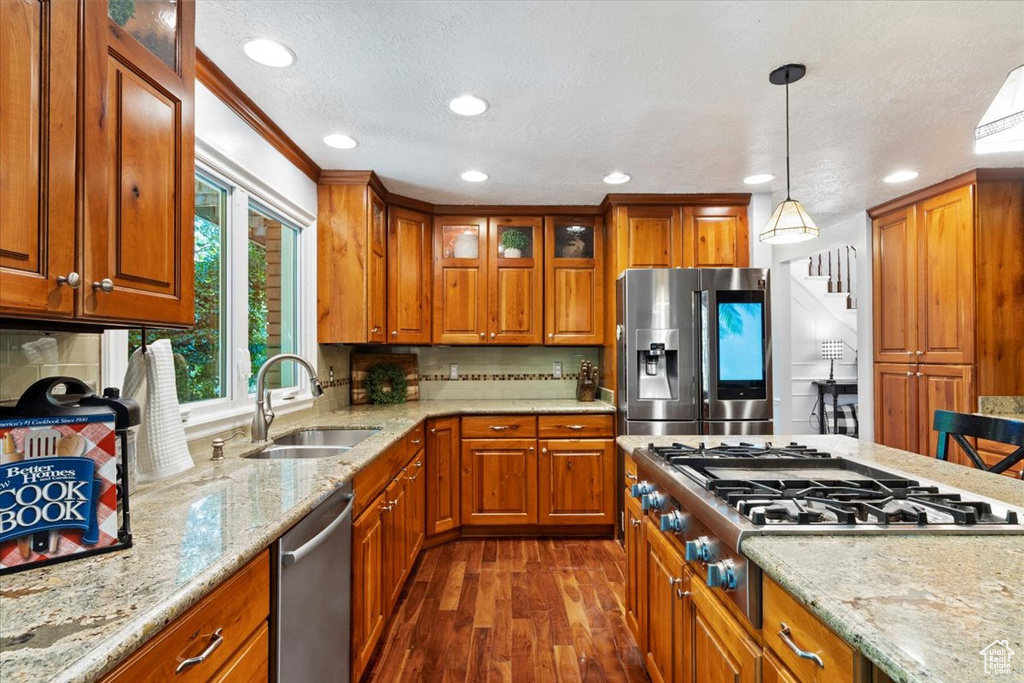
960 426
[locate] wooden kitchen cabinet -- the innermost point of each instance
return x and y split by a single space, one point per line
138 85
352 281
652 236
722 651
38 119
715 237
442 475
396 538
499 482
416 510
577 481
896 406
668 650
573 280
942 387
515 280
460 280
895 272
409 276
636 570
369 595
775 671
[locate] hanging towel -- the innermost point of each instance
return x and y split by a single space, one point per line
161 448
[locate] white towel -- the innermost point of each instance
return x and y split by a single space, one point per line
161 446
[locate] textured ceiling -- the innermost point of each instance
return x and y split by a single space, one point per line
675 94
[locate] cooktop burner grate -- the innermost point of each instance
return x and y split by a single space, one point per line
741 450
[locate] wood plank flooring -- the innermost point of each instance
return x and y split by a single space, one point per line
512 610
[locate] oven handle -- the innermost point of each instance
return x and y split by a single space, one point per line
295 556
785 633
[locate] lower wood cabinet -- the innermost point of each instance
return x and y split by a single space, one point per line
722 650
442 475
775 671
235 615
369 601
396 538
416 510
499 482
577 481
668 635
907 396
636 570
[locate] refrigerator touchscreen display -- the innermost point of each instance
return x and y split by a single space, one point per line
740 342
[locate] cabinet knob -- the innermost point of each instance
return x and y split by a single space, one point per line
72 280
374 330
920 353
493 335
481 335
910 374
394 333
919 374
433 430
543 450
636 522
106 285
531 449
910 353
551 335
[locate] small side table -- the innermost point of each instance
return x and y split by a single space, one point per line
835 389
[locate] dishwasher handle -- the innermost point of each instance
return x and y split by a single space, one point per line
294 556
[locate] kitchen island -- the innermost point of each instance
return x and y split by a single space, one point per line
920 607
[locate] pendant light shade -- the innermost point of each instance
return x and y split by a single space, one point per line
1001 129
789 222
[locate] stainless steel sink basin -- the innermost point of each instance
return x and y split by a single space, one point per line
298 452
326 437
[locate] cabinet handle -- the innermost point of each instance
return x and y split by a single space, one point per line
910 374
412 478
680 593
786 634
575 428
106 285
919 374
418 463
375 329
481 335
631 477
672 581
920 353
433 430
530 449
394 333
544 450
72 280
910 353
192 661
493 335
415 442
503 428
636 522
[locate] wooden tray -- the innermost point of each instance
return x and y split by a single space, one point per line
360 368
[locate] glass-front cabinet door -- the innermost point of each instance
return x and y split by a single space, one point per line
515 286
574 280
153 23
460 280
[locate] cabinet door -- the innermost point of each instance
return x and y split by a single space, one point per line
573 280
460 280
442 475
668 603
409 264
895 286
515 288
139 80
416 494
38 118
942 387
945 242
652 236
577 481
775 671
396 539
369 598
722 651
896 406
499 482
377 296
636 571
715 237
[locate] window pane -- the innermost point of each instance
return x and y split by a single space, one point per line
272 296
199 353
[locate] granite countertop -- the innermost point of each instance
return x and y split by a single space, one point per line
920 607
75 621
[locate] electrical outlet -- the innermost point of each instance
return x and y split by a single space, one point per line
556 370
453 371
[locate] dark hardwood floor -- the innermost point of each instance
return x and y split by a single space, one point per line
512 610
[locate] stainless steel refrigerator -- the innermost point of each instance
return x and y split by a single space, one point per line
695 352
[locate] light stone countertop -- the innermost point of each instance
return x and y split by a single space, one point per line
75 621
920 607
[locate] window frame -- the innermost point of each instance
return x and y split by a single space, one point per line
210 416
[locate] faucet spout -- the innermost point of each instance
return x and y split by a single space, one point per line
264 415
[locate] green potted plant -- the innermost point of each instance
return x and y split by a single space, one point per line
513 242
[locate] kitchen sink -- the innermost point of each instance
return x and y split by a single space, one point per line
346 438
298 452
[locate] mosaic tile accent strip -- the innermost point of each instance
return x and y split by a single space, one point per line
502 377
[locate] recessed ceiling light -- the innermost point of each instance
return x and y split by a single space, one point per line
475 176
616 178
758 178
900 176
468 105
269 53
339 141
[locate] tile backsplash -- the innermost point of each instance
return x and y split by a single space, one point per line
26 356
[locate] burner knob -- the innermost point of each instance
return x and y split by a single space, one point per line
699 549
652 501
675 521
722 575
642 487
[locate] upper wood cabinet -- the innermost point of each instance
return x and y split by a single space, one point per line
650 236
573 280
351 260
139 166
715 237
460 280
515 286
38 118
409 276
109 240
895 273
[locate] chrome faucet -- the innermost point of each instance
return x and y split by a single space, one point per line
264 414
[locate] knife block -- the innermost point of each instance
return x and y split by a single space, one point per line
586 383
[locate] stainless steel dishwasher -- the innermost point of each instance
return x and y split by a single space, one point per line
312 610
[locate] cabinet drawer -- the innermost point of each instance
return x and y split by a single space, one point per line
238 607
372 479
569 426
251 664
499 427
629 472
807 633
414 440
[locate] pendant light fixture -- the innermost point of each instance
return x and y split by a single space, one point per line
1001 129
789 222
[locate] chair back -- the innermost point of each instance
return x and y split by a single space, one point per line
961 426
